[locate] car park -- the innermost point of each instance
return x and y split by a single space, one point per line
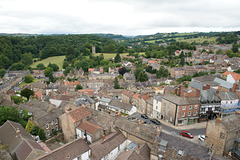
186 134
156 122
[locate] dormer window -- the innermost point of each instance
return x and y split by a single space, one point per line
47 126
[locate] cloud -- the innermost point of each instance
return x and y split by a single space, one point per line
128 17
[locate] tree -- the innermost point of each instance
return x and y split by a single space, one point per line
40 66
48 71
184 78
121 49
235 48
122 71
16 99
182 62
142 76
41 134
35 130
53 66
219 51
78 87
116 84
66 71
65 64
117 58
2 72
111 48
28 78
201 73
27 93
162 72
27 59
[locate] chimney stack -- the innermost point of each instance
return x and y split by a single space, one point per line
103 137
18 132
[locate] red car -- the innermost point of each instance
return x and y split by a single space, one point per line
186 134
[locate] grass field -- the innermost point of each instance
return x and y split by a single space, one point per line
24 83
111 55
57 60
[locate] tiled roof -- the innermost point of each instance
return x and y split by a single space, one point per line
127 93
90 69
145 97
88 91
228 96
67 83
121 105
135 96
69 151
151 61
223 83
89 127
78 114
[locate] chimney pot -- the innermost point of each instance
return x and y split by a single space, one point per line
17 132
103 137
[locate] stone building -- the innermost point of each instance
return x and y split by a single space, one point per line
180 110
222 134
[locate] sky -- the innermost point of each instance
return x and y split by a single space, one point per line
125 17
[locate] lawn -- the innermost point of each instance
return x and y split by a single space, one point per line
24 83
198 40
57 60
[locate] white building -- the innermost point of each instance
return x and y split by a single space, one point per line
157 104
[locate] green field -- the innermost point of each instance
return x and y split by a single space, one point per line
24 83
57 60
111 55
198 40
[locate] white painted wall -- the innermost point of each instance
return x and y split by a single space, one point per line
84 156
80 134
116 151
157 105
133 110
230 78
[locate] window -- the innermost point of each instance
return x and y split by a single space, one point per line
47 126
195 107
56 121
195 113
202 109
183 114
222 135
164 104
48 133
190 107
189 113
184 108
156 107
56 128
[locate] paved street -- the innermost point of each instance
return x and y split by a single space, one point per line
195 129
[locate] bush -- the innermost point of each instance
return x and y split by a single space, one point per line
41 134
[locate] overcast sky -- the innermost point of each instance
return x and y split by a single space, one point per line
126 17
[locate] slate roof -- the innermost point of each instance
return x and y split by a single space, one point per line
49 117
147 133
89 127
181 100
223 83
121 105
8 135
26 147
190 148
231 122
196 85
78 114
208 95
158 98
228 96
69 151
84 100
102 148
208 79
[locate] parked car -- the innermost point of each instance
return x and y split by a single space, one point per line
144 116
154 121
186 134
201 137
